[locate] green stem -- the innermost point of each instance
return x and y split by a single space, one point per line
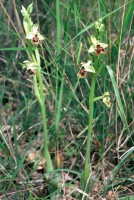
41 98
87 168
98 98
100 69
49 166
58 38
58 24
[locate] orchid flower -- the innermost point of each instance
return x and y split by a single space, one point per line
30 67
106 99
86 67
97 47
34 35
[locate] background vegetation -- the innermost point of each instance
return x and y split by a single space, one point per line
66 26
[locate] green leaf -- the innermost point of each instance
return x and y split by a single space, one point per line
121 109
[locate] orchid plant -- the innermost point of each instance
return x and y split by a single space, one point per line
33 67
96 49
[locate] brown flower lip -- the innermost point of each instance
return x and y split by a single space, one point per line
108 101
31 71
82 72
99 49
35 39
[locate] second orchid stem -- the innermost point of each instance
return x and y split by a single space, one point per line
87 167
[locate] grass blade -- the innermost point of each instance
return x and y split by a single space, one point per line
121 109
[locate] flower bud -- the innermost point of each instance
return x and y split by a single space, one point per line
99 26
106 99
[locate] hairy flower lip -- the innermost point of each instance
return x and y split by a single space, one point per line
31 71
99 49
82 73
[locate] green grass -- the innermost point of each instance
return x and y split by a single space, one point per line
66 26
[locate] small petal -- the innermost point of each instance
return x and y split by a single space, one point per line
35 28
29 64
87 64
30 35
103 45
88 67
94 40
91 49
40 36
26 61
